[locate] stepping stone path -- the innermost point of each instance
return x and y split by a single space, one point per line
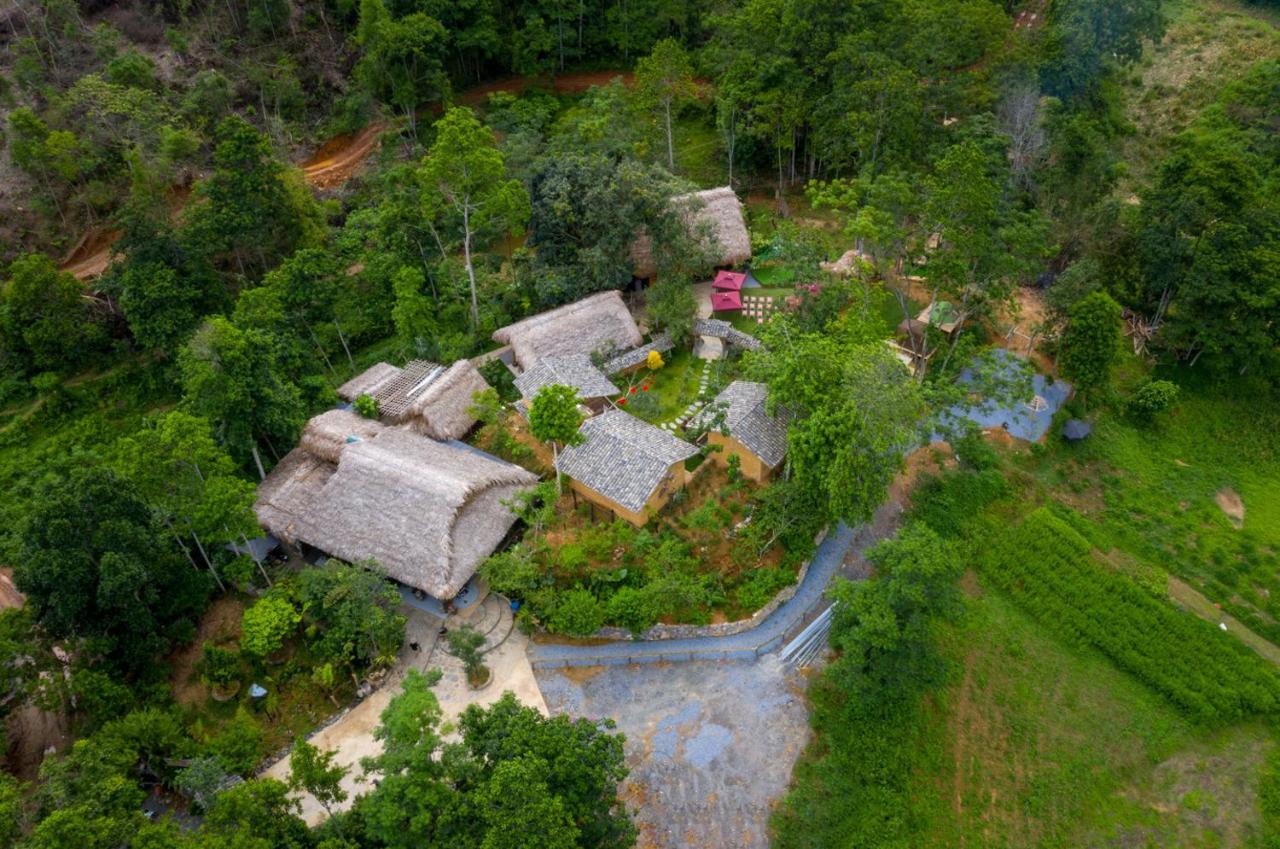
682 420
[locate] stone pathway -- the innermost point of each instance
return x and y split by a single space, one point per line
681 421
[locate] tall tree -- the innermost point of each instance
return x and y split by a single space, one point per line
855 412
251 211
313 771
45 317
231 378
554 419
403 58
664 83
94 566
1091 342
465 180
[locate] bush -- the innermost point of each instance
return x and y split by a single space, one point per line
632 609
761 585
974 452
366 406
1152 398
577 613
949 504
219 666
238 743
464 644
265 626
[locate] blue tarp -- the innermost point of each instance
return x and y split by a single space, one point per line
1022 420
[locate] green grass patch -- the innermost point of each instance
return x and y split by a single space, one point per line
1150 492
1049 570
1036 743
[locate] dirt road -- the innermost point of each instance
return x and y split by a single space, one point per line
339 159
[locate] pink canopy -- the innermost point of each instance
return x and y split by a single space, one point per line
729 280
721 301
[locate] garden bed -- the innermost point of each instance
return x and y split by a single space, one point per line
697 563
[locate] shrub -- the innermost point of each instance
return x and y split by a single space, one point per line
464 644
1152 398
577 613
974 452
265 626
949 504
367 406
238 743
761 585
643 404
219 666
633 609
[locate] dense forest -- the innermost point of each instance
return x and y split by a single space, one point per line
212 215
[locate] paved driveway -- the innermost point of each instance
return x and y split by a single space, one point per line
710 745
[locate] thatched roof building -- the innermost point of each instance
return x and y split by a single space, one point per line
623 458
368 381
721 213
429 512
575 370
600 321
430 398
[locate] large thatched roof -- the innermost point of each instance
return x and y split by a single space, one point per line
575 370
745 420
623 458
600 321
428 397
725 233
429 512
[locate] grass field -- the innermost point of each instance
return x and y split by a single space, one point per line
1151 493
1044 745
1208 44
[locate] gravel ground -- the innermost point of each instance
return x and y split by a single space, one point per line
710 745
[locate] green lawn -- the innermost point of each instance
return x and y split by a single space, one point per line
1149 492
675 386
1036 744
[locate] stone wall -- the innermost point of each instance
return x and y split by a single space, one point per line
721 629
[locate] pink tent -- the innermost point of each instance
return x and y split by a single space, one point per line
721 301
728 280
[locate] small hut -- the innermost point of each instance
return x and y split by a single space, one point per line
942 315
715 216
598 322
626 465
430 398
428 512
574 370
758 439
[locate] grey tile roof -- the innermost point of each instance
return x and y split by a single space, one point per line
623 458
661 343
573 370
746 420
721 329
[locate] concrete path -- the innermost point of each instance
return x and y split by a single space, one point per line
351 738
746 646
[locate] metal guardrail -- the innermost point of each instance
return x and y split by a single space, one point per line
810 643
